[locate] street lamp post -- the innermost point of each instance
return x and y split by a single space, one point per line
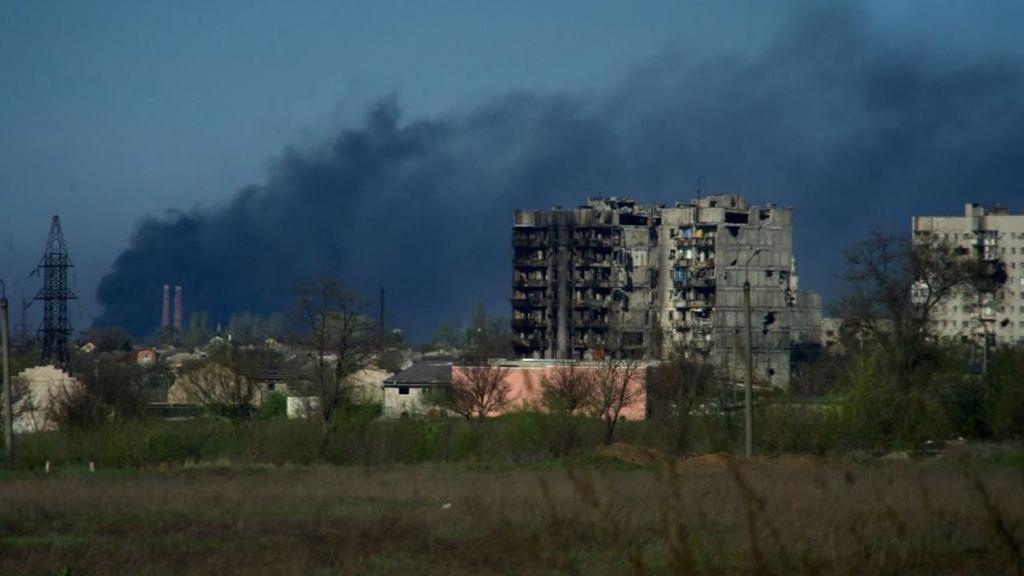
748 396
8 400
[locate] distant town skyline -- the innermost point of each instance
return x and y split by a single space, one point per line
858 115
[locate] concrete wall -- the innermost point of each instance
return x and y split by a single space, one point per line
525 379
412 403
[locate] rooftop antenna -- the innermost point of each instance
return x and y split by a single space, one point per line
55 295
696 208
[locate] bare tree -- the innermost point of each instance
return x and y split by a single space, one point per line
568 388
618 384
342 340
480 386
894 288
216 385
566 391
111 390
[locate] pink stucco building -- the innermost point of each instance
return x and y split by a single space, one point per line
526 377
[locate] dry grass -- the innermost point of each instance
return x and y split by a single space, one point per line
779 516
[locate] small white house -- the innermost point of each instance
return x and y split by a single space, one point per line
406 393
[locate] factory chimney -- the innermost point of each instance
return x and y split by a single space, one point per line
165 320
177 308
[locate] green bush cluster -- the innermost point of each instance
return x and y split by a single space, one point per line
359 437
937 396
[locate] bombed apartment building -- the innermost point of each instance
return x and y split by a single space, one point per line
628 279
995 237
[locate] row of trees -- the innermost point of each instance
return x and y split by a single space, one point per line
896 379
242 327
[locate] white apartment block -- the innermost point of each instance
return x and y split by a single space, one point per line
994 236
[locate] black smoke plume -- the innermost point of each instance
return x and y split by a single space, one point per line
851 130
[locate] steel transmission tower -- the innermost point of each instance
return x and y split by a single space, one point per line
56 327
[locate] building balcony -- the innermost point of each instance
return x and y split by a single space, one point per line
524 282
590 303
592 264
528 323
595 243
529 242
529 342
530 262
691 242
530 302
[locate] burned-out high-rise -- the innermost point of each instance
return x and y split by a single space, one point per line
618 277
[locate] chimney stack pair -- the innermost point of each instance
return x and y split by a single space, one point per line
165 321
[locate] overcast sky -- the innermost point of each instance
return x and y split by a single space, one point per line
111 111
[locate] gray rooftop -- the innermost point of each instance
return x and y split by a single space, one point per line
423 373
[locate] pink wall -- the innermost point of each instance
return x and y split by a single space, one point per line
526 389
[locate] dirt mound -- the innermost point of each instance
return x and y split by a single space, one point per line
631 454
707 462
793 461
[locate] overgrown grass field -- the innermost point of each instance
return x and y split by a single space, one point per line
618 511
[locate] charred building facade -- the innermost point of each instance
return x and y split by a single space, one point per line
628 279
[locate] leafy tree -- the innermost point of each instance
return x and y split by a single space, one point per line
1005 393
484 332
676 388
447 337
109 339
199 331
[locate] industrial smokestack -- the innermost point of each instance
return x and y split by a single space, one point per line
165 320
177 308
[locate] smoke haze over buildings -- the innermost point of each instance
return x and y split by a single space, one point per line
853 129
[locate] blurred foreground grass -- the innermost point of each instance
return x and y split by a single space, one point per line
590 515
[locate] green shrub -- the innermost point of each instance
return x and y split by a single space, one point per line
275 406
795 428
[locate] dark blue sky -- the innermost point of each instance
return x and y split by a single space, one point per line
115 111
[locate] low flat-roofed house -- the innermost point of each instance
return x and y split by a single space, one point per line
406 393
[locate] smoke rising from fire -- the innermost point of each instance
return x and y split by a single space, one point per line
853 130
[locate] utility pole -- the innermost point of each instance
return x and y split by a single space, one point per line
748 396
8 399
